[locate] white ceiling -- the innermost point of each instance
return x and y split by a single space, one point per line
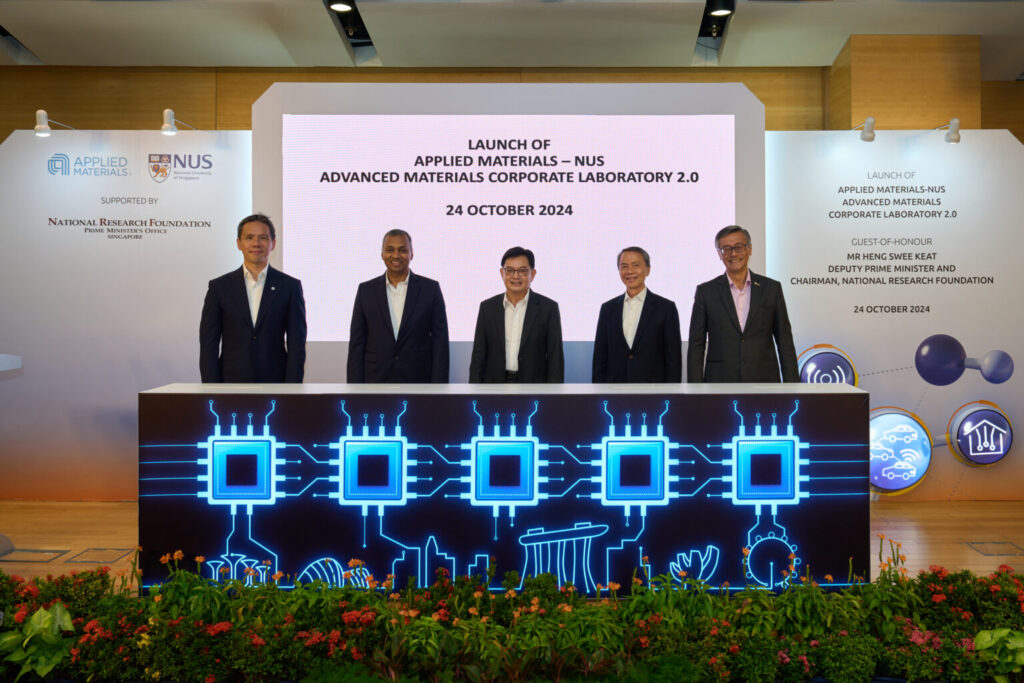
488 33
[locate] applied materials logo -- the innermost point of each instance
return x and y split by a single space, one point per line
59 164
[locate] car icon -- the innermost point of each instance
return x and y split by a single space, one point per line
904 433
901 469
880 452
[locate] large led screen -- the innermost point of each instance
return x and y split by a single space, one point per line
573 188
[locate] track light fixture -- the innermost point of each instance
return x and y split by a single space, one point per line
168 128
43 122
868 134
953 134
721 8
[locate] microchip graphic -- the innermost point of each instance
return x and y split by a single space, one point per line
766 470
505 469
240 471
372 470
637 469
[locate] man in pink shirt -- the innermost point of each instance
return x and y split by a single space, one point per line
739 319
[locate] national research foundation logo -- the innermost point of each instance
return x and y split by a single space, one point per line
159 167
59 164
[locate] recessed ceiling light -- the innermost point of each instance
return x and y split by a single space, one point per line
340 6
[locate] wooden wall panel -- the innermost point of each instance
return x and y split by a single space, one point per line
237 89
915 82
838 115
105 98
793 97
1002 106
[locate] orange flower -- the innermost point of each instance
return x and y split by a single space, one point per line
224 570
792 556
828 577
164 559
353 563
277 576
200 559
682 574
178 555
746 551
637 581
613 586
157 598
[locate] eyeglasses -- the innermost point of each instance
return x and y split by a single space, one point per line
521 272
735 248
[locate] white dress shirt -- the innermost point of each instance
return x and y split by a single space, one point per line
740 299
631 308
396 301
254 290
515 314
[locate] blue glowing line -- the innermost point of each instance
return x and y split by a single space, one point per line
571 455
774 415
168 445
757 419
440 486
273 407
438 453
233 418
663 413
536 407
381 416
497 419
366 420
706 458
479 416
823 478
513 420
167 478
250 419
308 454
796 407
610 418
291 495
565 492
215 415
840 445
837 462
260 544
398 418
345 412
736 410
622 546
227 541
697 490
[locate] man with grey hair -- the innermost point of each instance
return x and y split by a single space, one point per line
637 336
739 318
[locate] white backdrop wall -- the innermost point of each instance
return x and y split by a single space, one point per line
103 270
881 245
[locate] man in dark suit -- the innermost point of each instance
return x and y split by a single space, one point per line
637 336
399 330
740 318
519 333
250 313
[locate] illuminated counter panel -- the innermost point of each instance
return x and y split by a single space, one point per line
583 481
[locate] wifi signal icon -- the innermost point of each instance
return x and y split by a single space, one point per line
826 364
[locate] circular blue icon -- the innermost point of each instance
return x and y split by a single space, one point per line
900 451
940 359
826 364
980 434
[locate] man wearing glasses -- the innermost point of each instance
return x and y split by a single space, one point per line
519 333
740 319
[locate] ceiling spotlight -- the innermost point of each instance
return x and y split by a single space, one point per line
868 134
43 124
341 6
721 8
169 128
953 134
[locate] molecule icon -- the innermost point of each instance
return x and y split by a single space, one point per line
941 359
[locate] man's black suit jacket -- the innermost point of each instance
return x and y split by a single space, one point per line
418 355
657 352
232 349
540 348
734 355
